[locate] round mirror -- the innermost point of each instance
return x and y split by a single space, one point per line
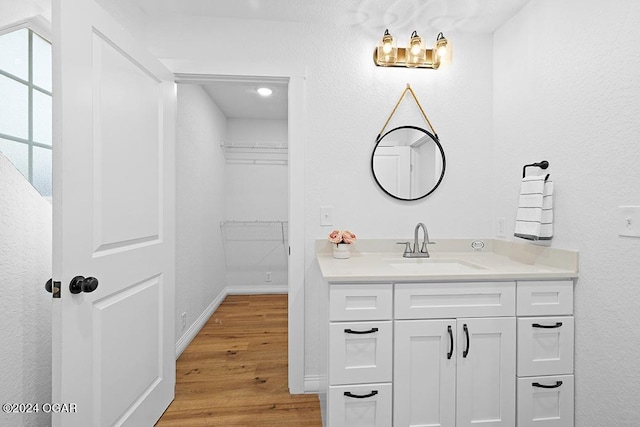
408 163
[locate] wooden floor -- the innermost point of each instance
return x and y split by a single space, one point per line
234 373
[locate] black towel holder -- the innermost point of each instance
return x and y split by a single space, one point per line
542 165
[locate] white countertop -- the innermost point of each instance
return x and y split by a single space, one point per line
450 260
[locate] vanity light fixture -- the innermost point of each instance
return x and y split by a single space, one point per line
387 54
264 91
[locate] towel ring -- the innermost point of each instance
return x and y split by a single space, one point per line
542 165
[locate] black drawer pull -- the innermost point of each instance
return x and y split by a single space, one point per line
466 333
538 325
360 396
450 353
351 331
556 385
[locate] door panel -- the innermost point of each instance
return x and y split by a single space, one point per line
424 374
113 205
126 142
120 319
486 362
393 170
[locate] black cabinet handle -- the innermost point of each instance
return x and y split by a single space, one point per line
466 333
556 385
450 342
538 325
360 396
351 331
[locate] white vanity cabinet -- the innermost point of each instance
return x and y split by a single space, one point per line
451 354
545 353
360 355
455 371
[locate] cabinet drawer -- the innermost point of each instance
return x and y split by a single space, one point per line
545 401
360 406
360 352
361 302
545 345
545 298
447 300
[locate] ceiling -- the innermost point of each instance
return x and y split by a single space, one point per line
237 99
474 16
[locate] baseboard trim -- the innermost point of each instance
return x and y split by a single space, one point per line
262 289
311 384
195 328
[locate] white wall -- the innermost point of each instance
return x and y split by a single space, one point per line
25 307
257 192
347 100
567 90
200 205
261 131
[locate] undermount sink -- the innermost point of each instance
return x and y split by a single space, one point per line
435 265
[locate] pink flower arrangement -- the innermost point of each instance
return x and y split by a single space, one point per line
337 237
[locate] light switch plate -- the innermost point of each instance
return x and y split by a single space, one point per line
326 215
629 221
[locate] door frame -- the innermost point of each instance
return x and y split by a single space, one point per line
202 72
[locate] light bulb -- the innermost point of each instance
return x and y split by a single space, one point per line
264 91
442 52
386 51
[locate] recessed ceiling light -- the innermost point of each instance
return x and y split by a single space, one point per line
264 91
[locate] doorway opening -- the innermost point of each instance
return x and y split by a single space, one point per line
256 148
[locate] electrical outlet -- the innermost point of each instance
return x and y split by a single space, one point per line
183 319
267 276
500 226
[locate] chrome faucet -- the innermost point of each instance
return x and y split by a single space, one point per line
418 251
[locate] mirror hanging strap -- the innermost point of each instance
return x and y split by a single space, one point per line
415 98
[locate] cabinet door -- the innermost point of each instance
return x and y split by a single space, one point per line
545 401
545 346
424 373
360 405
360 352
486 372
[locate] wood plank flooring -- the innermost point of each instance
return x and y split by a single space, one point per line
234 373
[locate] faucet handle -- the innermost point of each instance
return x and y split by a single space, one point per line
407 247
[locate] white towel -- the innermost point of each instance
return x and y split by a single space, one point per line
534 219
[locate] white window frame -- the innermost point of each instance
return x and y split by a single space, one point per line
42 28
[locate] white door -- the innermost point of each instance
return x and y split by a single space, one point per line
114 113
486 375
424 385
393 170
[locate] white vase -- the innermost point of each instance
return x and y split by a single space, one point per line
342 250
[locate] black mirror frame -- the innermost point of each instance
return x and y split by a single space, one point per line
435 139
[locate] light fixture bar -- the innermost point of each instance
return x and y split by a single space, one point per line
386 54
401 60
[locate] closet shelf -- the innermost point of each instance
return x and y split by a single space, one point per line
258 153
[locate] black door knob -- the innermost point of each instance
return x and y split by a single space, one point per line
80 284
49 285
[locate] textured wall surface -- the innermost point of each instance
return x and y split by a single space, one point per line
200 194
347 101
25 307
257 192
567 90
